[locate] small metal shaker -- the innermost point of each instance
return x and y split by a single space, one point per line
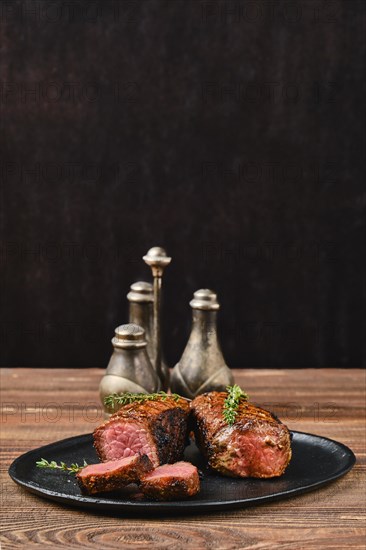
141 312
129 368
202 366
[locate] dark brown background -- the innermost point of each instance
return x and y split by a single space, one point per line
230 133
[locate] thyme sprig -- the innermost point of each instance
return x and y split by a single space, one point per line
127 398
73 469
231 404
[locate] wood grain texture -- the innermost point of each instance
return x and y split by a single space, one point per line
41 406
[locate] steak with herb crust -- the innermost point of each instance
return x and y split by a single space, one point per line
157 428
171 482
113 475
257 444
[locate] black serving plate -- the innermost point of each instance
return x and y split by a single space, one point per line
315 462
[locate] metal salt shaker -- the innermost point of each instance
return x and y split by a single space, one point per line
129 368
202 367
141 312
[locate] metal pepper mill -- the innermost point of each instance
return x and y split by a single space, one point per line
129 368
141 312
202 367
158 260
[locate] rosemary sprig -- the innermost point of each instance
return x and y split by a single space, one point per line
127 398
231 404
73 469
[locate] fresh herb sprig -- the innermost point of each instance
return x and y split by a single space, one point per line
127 398
231 404
73 469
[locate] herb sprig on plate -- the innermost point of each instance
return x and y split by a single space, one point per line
73 469
127 398
231 404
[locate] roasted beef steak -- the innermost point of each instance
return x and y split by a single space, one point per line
155 428
112 475
171 482
256 445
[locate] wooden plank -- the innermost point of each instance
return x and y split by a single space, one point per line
42 405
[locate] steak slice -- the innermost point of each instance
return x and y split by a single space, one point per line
256 445
171 482
155 428
112 475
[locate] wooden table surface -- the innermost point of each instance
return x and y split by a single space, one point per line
40 406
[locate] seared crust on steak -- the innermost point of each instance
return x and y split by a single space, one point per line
256 445
171 482
113 475
155 428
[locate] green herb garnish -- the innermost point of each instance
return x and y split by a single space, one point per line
73 469
127 398
231 404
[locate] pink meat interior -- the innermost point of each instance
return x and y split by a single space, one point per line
248 454
108 467
179 469
123 439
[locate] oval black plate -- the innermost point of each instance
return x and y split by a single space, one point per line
315 462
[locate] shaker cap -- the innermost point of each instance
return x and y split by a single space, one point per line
141 292
205 299
157 259
129 336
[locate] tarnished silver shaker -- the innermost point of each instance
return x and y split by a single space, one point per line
141 312
129 368
202 367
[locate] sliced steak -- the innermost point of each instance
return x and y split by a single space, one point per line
171 482
112 475
155 428
256 445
